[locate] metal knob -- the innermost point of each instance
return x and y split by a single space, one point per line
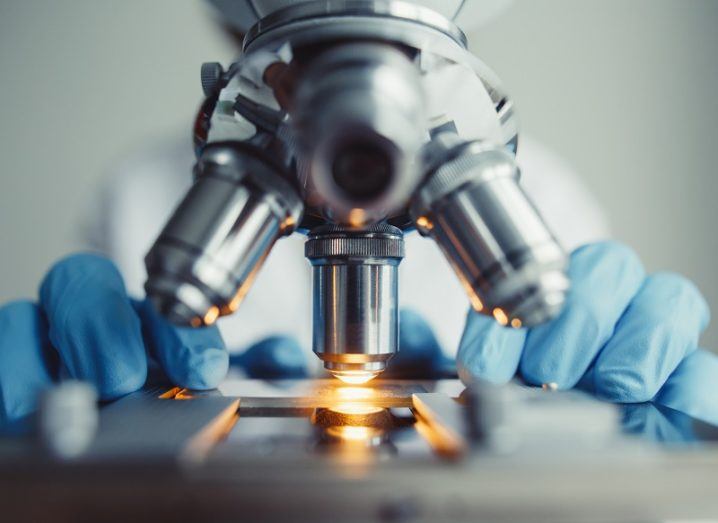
211 75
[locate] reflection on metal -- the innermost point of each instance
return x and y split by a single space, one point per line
355 401
355 431
325 393
350 433
170 394
217 429
357 377
177 393
500 316
354 416
355 409
441 422
146 424
355 393
213 313
354 436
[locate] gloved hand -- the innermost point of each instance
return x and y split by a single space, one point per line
420 355
625 336
86 327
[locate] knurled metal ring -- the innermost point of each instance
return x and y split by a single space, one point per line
395 9
460 170
378 241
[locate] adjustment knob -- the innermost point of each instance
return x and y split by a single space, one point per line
211 76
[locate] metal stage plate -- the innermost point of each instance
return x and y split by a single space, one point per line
392 451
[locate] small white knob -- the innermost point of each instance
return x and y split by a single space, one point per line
68 418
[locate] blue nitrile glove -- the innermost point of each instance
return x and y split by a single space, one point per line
420 355
85 327
626 336
275 357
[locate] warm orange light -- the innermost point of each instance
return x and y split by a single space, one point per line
354 377
424 223
170 394
212 315
355 401
516 323
355 409
287 223
475 301
473 297
183 394
352 433
233 305
442 442
500 316
355 393
357 217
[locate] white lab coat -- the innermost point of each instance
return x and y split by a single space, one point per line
141 193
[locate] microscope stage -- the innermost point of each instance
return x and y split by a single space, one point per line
392 450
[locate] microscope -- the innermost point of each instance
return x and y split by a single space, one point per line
340 121
354 122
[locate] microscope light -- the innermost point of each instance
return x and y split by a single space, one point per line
354 377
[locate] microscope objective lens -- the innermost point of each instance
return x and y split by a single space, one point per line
357 377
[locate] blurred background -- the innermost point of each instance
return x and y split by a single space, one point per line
624 91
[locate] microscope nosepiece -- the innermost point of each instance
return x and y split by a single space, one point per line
472 205
206 257
356 312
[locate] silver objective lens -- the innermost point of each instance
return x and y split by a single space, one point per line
205 259
359 119
356 312
473 207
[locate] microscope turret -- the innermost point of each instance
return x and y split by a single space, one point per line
340 121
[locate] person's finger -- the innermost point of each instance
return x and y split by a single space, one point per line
660 327
195 358
604 278
28 363
420 355
93 326
489 351
275 357
693 387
